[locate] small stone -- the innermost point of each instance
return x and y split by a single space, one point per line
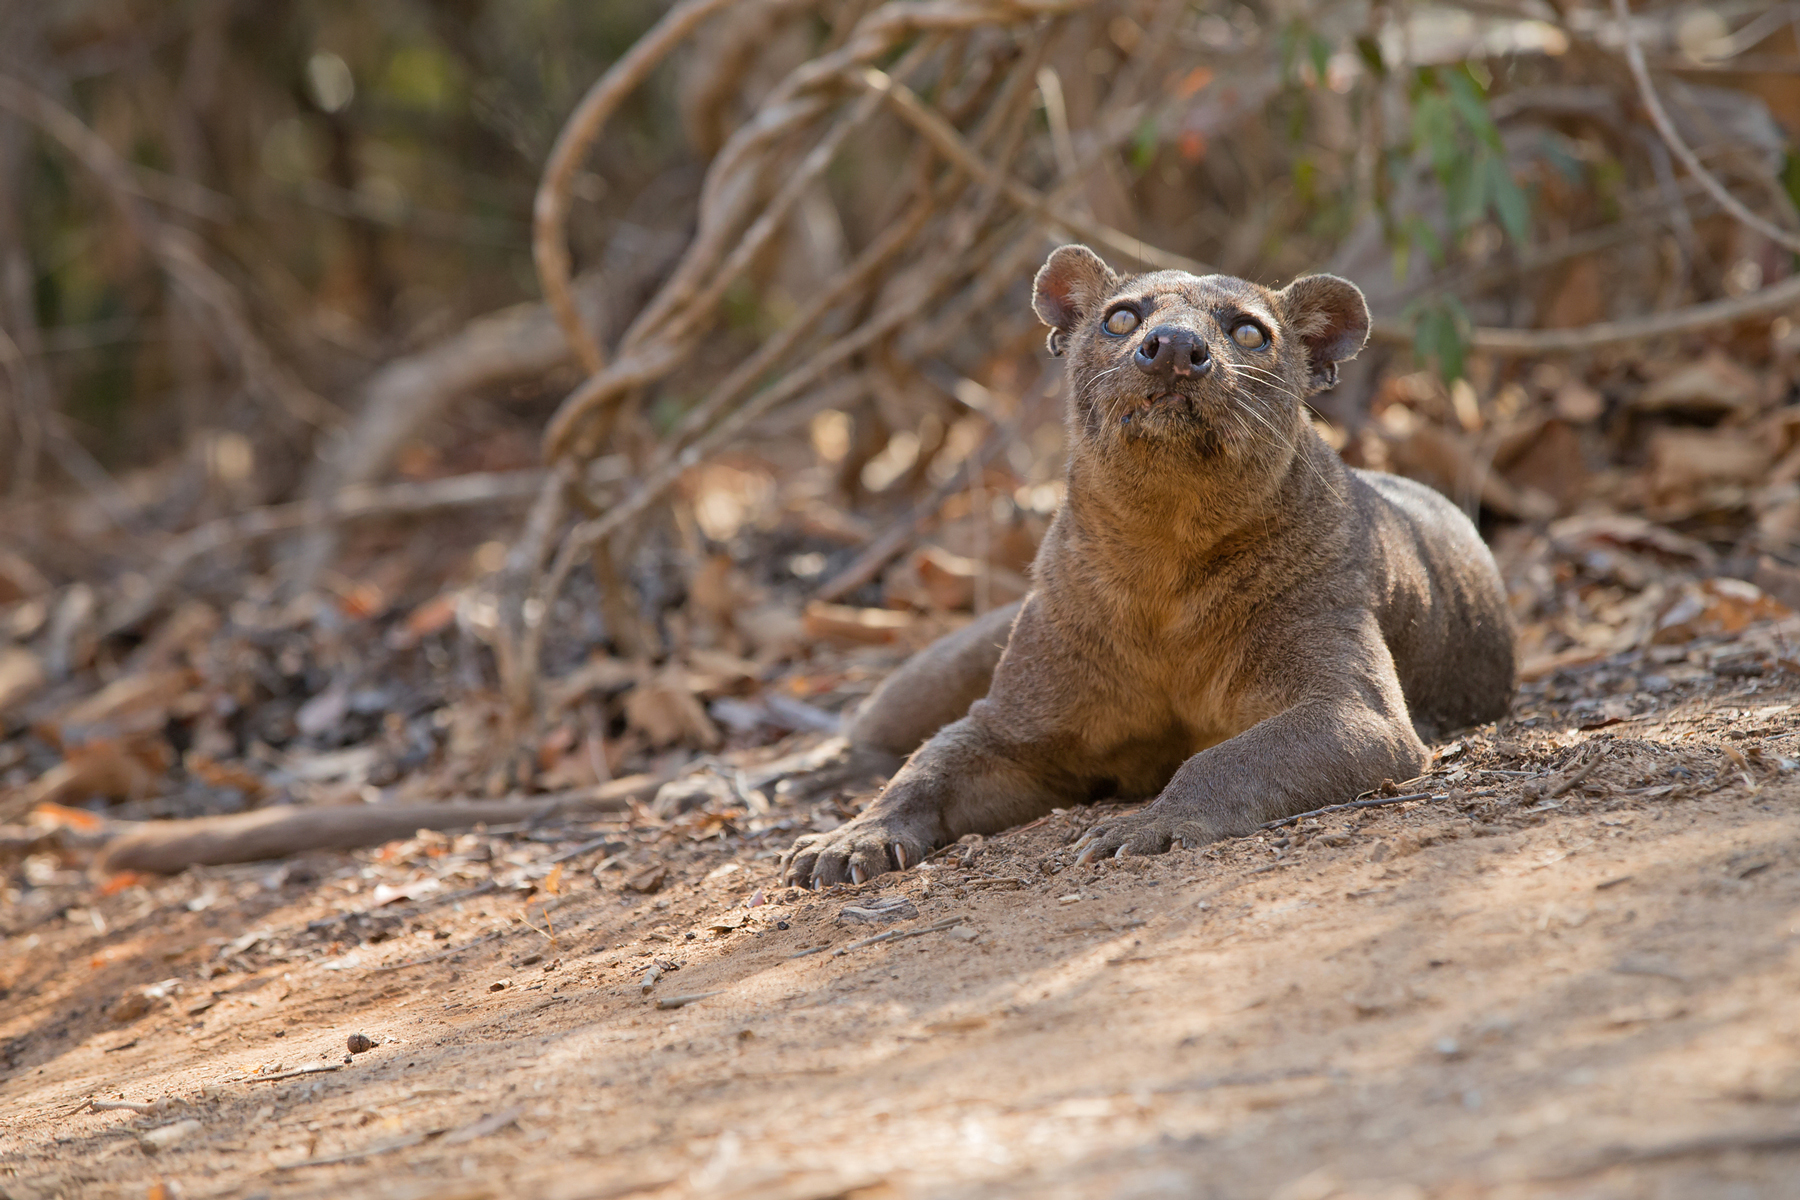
128 1007
964 933
359 1042
1071 898
879 911
499 985
167 1137
648 880
688 795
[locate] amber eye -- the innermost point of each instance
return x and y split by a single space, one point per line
1249 335
1121 321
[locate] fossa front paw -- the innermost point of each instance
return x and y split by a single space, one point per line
868 846
1155 829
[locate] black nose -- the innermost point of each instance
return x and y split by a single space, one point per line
1171 351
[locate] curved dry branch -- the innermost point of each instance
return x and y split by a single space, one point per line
1774 299
751 190
1659 116
165 847
941 134
697 310
657 482
687 302
550 210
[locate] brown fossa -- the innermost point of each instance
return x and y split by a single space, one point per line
1224 616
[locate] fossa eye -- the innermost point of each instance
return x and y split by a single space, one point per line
1121 321
1249 335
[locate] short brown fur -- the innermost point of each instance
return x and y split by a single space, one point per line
1224 615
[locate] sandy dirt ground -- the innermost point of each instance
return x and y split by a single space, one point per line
1574 972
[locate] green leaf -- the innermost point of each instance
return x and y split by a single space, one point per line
1509 201
1421 234
1145 141
1289 43
1466 96
1440 334
1450 350
1306 176
1320 50
1369 50
1464 193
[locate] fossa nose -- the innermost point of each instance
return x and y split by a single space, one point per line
1170 352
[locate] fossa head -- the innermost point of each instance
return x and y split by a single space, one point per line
1200 364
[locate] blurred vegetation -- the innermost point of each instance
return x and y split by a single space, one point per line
362 175
362 172
256 259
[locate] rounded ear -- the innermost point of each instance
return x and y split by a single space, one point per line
1068 286
1330 317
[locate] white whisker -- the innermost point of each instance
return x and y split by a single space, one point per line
1263 420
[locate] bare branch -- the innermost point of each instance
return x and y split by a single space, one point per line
1634 56
550 215
941 134
351 504
166 847
1776 298
519 342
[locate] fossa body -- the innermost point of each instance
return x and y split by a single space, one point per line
1224 618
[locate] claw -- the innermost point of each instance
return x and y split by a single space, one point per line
1119 853
856 873
900 855
1086 853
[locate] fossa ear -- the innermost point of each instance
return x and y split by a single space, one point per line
1331 318
1070 284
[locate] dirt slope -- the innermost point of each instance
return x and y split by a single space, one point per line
1574 975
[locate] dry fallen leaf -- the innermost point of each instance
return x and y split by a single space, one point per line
1684 461
1718 606
137 703
21 675
1713 386
855 626
666 711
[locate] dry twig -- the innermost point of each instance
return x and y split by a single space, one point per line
1776 298
1376 802
1665 128
351 504
165 847
549 243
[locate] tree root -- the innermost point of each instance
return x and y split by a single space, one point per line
166 847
